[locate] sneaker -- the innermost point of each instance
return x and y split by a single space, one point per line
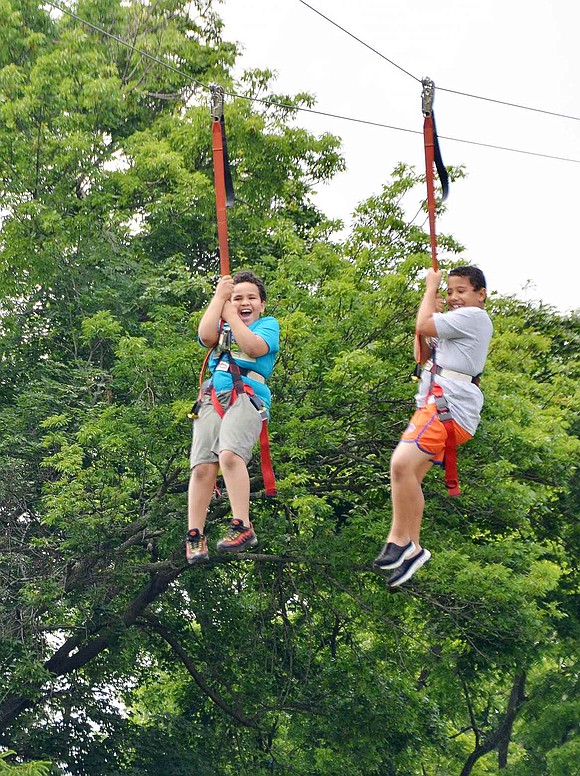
408 568
239 537
195 546
392 555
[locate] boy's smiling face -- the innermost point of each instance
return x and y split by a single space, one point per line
246 299
460 293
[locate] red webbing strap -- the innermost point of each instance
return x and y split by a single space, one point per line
450 461
266 461
216 402
432 159
429 143
220 196
450 458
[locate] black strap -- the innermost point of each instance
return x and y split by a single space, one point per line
230 196
440 167
235 371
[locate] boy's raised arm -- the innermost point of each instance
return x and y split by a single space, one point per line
208 331
430 304
252 344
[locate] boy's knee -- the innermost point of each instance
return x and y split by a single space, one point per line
203 472
229 459
398 467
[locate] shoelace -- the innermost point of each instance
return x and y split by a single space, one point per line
195 542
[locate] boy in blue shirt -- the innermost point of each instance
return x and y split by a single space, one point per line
224 435
457 342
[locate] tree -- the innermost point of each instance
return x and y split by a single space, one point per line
28 769
119 659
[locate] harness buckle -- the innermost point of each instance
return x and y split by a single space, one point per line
193 414
427 96
258 404
443 414
416 373
225 340
443 411
217 101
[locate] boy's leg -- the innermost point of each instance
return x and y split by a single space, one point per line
409 465
201 483
240 430
239 433
203 472
237 480
241 533
408 468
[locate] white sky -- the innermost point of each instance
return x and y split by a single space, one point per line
515 214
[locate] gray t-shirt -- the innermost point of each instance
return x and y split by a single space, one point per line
463 338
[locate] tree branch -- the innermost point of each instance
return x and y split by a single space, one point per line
154 624
500 737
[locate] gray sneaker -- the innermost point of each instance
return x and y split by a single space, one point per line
408 568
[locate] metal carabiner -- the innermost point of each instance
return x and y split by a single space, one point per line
225 340
217 101
427 96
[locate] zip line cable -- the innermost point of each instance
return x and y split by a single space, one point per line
287 106
125 43
439 88
362 42
509 104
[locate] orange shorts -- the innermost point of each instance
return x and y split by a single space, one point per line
429 434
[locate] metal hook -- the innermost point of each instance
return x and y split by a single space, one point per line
217 101
427 96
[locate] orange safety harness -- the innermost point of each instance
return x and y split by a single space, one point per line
224 198
433 159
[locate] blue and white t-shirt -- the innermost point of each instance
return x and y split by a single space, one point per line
268 329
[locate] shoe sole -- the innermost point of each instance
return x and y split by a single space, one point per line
252 542
400 560
422 559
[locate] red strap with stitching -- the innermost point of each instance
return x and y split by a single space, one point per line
450 457
265 457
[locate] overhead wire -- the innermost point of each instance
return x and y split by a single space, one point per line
289 106
359 40
440 88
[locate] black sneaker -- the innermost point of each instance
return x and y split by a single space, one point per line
408 568
392 555
239 537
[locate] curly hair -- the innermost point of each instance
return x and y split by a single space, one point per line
247 276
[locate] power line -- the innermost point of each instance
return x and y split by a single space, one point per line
441 88
287 106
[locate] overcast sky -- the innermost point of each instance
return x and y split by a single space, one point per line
516 215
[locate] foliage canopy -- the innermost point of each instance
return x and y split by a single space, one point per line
116 657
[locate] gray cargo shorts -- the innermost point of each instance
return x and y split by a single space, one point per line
238 430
